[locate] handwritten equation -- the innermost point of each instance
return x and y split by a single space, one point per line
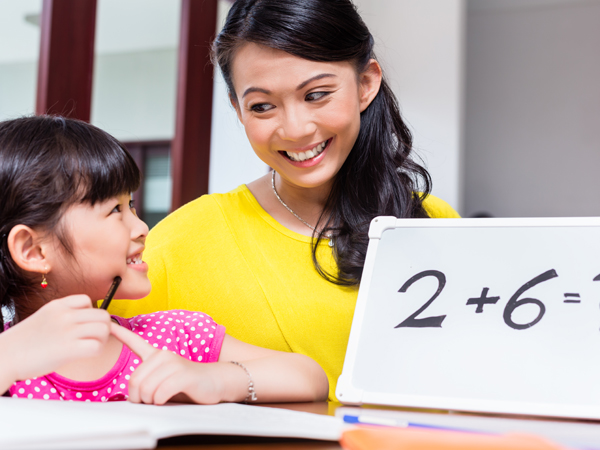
516 301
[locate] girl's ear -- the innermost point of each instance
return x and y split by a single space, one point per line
28 250
369 84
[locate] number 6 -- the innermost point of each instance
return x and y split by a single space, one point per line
514 303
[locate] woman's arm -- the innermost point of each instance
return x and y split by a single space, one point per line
277 376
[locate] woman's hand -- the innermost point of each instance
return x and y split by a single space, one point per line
165 376
60 332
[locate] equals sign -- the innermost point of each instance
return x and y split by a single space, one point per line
572 298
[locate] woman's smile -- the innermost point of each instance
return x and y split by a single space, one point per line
307 158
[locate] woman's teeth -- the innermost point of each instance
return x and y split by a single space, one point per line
137 259
303 156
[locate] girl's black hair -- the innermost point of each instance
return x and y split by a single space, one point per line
378 177
48 163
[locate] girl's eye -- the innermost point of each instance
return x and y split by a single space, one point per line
313 96
132 207
119 207
261 107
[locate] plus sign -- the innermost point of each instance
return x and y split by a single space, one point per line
483 300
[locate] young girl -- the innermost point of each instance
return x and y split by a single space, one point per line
67 229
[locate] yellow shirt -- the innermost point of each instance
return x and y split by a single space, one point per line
224 255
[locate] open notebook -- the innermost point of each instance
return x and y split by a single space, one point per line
39 424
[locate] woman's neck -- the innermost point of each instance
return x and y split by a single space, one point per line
306 203
309 201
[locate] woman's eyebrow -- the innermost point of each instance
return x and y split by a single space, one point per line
300 86
255 89
316 77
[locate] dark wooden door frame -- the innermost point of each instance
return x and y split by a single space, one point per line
66 58
190 153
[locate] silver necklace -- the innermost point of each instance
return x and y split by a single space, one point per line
330 237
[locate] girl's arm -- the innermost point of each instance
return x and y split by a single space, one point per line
60 332
277 376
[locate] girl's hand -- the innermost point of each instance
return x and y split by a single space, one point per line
277 376
165 376
60 332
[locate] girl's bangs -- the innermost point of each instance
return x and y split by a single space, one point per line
93 166
105 174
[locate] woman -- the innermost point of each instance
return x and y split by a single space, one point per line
279 261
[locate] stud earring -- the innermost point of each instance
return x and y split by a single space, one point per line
44 283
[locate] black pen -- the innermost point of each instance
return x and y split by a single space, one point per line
111 292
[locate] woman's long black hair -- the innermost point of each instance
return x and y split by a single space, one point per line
46 165
378 178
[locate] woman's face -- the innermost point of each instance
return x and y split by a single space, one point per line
301 117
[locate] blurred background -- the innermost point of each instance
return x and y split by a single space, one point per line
502 96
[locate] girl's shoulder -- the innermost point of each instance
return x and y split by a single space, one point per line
439 209
191 334
175 318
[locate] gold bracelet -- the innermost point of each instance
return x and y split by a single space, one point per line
251 397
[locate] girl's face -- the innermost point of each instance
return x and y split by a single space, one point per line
301 117
107 240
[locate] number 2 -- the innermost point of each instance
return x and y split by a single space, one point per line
426 322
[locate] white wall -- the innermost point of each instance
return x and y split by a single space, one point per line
19 47
420 43
532 123
18 84
133 94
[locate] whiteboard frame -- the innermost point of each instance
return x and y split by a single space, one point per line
348 394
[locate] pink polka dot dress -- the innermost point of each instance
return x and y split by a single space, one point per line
192 335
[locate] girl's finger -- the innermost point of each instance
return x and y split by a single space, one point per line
137 345
138 378
153 381
77 301
167 389
92 330
87 316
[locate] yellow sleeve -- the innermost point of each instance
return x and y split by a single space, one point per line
439 209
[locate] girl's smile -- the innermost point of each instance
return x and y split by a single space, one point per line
135 262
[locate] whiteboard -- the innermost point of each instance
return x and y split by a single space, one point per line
486 315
